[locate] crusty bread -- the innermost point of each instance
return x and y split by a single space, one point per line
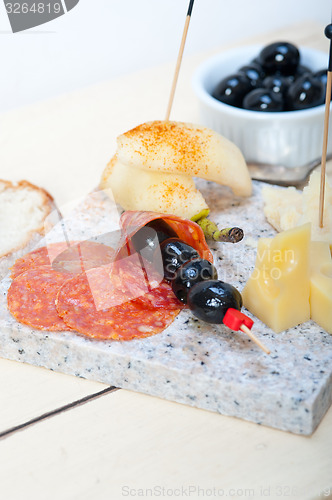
23 210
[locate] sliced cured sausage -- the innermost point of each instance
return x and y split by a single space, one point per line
31 298
40 257
99 306
83 256
73 259
118 296
187 230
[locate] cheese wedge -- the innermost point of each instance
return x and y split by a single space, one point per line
310 209
277 292
154 191
186 149
321 284
282 207
288 208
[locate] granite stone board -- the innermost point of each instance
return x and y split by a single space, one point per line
191 362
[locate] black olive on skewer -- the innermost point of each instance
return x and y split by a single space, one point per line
175 253
209 300
149 237
194 281
191 273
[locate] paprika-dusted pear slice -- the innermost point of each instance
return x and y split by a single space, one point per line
154 191
187 149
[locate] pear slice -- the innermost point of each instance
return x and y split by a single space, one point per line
187 149
152 190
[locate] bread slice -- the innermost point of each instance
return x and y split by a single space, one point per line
23 211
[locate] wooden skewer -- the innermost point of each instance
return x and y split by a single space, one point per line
328 33
324 153
253 337
179 60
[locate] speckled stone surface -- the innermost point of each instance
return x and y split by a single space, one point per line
191 362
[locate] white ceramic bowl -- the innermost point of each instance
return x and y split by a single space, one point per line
291 138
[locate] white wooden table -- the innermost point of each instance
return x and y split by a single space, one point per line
69 438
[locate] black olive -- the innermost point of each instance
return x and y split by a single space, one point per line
232 89
149 237
306 92
209 300
189 274
277 83
300 71
254 72
263 100
322 76
279 57
256 61
174 253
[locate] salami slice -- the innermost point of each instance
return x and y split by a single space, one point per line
31 298
83 256
118 297
187 230
40 257
136 278
73 259
96 304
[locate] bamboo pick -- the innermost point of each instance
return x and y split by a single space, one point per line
253 337
179 60
324 153
328 33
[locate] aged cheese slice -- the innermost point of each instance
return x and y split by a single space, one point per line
288 208
310 209
277 292
184 148
282 207
321 284
154 191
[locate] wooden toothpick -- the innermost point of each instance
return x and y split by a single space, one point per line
253 337
328 33
179 60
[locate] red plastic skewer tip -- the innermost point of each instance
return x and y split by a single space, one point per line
234 319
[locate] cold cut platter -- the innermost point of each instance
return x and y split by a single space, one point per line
59 315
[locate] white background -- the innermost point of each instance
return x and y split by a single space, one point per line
100 39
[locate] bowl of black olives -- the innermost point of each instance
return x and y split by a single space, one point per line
269 100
